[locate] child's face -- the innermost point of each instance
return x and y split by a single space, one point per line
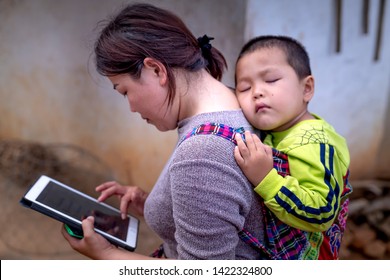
269 91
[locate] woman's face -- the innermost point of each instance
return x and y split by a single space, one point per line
148 97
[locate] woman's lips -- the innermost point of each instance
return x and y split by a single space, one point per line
145 119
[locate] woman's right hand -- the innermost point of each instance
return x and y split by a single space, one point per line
131 197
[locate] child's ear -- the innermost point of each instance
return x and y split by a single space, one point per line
158 69
308 90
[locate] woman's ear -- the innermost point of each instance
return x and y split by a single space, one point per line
308 90
158 69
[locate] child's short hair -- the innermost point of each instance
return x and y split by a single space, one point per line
296 54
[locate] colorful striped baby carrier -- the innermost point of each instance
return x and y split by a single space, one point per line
282 242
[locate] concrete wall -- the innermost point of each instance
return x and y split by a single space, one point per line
352 90
50 92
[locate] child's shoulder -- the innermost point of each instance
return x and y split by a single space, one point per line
312 131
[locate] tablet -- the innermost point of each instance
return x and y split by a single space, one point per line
70 206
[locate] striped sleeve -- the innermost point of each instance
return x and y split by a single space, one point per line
309 197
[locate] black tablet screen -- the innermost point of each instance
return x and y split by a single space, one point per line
80 207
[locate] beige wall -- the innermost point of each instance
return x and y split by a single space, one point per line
50 93
352 90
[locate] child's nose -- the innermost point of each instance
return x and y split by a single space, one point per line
258 92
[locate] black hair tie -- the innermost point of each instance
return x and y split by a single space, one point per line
204 43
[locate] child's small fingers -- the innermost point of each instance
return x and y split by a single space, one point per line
250 143
257 142
268 150
238 156
240 142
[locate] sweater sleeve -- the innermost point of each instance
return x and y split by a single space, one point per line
309 197
210 200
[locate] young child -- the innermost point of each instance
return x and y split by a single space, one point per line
300 169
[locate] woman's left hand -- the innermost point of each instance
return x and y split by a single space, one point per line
92 245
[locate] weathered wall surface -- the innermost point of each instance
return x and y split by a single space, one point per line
50 92
352 89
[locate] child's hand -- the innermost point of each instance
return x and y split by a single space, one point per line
254 158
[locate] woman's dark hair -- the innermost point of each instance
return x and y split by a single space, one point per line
142 30
296 54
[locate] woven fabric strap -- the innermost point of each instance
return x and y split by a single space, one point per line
281 240
159 253
217 129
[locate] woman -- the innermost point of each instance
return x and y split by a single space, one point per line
201 200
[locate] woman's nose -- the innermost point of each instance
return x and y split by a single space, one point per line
131 107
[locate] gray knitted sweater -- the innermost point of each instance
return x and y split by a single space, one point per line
202 199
